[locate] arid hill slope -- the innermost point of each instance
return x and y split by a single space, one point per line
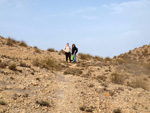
37 81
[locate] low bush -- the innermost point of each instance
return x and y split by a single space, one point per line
3 103
47 63
98 58
107 59
73 71
11 41
51 50
13 67
117 78
3 65
117 110
139 83
37 50
23 43
43 103
85 56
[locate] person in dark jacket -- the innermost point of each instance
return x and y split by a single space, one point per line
74 51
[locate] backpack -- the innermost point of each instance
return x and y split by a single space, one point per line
77 50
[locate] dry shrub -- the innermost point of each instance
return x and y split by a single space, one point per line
2 103
73 71
11 41
3 65
107 59
99 78
117 110
85 56
120 61
98 58
117 78
139 83
23 43
51 50
61 52
47 63
43 103
37 50
13 67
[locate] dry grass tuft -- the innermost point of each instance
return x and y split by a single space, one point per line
85 56
43 103
117 78
47 63
61 52
108 59
23 43
51 50
117 110
3 65
3 103
139 82
11 41
73 71
13 67
98 58
37 50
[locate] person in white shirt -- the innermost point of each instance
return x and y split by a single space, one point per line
67 50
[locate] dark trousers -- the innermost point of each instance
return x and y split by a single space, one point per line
68 55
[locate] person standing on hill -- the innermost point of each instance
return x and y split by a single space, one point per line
74 51
67 50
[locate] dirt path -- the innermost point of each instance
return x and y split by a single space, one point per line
67 96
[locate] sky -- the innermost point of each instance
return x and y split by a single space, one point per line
97 27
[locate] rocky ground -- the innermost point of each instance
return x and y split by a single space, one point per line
37 81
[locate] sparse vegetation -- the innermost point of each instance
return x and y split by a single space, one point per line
98 58
13 67
11 41
23 43
37 50
139 83
73 71
22 64
43 103
107 59
117 110
61 52
47 63
101 78
51 50
85 56
3 65
3 103
117 78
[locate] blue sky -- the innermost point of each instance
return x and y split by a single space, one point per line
104 28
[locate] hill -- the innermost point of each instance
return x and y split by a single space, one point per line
38 81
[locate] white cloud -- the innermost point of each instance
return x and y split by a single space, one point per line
128 6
